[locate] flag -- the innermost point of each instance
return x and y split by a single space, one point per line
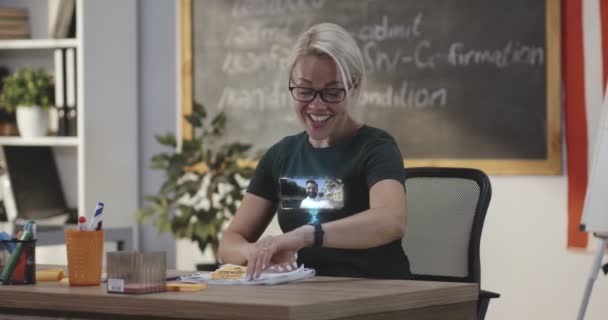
585 66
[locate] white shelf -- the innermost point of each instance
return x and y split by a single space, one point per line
42 141
26 44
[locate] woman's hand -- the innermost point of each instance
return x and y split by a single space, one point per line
279 252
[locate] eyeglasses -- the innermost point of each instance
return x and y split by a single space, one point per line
329 95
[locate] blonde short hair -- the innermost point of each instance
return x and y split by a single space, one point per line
334 41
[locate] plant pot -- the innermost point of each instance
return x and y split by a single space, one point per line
8 124
32 121
8 129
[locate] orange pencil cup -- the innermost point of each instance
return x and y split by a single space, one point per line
85 252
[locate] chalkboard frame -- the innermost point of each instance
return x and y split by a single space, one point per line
550 165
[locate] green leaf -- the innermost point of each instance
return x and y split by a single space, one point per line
160 157
192 145
168 186
188 231
144 215
194 120
167 140
206 231
199 110
189 187
202 243
236 149
187 211
180 223
157 199
219 124
159 161
162 221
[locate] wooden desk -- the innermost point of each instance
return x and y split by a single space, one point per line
316 298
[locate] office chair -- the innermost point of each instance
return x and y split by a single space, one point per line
446 211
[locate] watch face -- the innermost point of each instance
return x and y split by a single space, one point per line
313 193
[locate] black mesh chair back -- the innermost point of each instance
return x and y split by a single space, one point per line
446 212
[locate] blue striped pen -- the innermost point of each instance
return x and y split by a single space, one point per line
96 221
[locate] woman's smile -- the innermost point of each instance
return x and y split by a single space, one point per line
318 121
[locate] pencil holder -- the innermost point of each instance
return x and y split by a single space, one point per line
18 262
85 252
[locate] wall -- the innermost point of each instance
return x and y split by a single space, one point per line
109 86
524 254
158 99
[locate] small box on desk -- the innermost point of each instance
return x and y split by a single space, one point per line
136 272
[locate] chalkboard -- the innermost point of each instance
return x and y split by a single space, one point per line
462 83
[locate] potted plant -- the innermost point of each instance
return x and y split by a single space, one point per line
29 92
8 124
203 185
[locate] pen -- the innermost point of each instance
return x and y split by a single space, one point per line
179 277
96 220
32 229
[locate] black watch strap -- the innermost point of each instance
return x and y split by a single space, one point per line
319 234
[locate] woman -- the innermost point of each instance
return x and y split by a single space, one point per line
360 235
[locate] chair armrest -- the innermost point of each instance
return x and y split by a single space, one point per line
484 301
483 294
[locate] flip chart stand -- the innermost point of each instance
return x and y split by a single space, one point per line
595 269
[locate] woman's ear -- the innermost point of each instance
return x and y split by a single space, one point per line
355 86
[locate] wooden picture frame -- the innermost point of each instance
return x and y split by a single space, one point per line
550 165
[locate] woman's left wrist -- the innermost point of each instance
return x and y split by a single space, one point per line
306 236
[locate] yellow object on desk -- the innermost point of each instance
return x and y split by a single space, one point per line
55 274
190 287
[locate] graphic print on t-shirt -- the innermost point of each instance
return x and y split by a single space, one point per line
313 193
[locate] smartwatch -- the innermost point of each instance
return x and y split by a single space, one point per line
319 233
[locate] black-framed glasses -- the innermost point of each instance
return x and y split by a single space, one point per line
329 95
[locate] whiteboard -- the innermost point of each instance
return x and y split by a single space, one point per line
595 212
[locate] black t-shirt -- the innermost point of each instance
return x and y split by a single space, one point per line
325 184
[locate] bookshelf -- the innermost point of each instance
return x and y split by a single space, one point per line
38 52
100 162
41 141
34 44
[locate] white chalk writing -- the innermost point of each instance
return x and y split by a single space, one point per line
378 59
247 62
387 31
253 8
256 99
391 47
406 96
512 53
251 35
